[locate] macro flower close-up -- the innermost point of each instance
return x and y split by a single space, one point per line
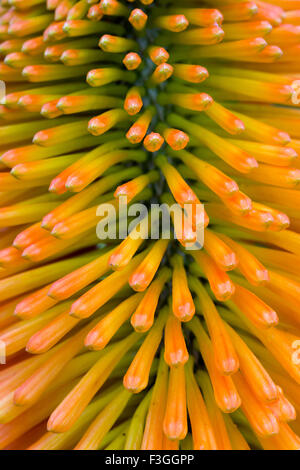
149 225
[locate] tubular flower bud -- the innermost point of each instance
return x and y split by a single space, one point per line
149 225
132 61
